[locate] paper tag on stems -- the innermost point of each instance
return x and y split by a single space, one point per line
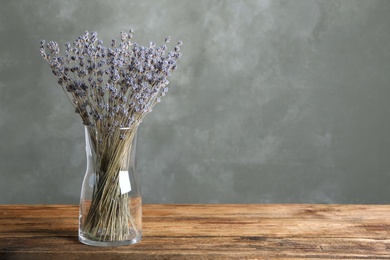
124 182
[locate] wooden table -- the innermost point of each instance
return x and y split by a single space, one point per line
207 232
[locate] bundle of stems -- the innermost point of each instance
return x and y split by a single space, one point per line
109 217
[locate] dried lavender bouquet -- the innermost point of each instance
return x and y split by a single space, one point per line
111 88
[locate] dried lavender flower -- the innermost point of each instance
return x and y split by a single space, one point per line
114 86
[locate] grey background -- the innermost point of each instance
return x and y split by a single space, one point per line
274 101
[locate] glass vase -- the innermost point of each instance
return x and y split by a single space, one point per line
110 203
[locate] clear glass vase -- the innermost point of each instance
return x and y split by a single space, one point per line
110 203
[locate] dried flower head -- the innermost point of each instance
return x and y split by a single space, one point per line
115 86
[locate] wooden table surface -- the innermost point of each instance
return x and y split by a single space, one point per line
250 231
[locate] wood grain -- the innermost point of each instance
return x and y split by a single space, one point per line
207 232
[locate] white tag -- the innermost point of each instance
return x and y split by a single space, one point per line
124 182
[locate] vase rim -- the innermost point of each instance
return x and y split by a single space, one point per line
115 127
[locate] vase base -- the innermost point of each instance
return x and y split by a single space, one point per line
91 242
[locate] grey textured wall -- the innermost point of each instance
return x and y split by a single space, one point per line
274 101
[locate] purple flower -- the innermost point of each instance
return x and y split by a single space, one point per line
115 86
